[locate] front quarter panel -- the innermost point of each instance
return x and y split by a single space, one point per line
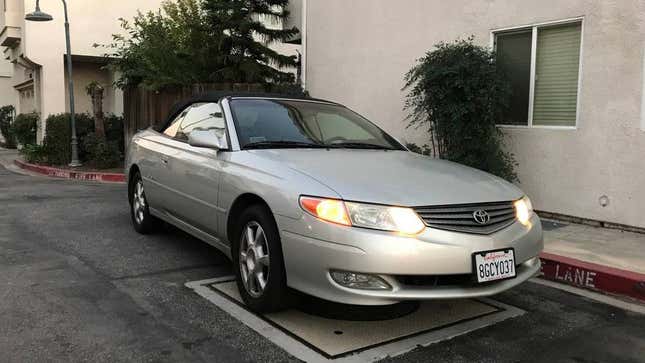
279 186
141 152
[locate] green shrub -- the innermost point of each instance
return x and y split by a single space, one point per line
34 153
58 137
458 93
114 131
6 128
101 153
25 127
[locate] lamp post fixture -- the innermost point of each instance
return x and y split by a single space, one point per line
38 15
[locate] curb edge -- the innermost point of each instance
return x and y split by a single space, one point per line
592 276
71 174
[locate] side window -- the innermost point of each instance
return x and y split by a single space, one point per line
171 130
205 117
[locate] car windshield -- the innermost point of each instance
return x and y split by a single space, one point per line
270 124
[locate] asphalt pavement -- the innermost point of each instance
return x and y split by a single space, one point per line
78 284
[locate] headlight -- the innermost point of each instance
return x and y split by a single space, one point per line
386 218
523 210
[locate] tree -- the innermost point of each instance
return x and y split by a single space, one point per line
244 46
203 41
170 47
95 91
458 93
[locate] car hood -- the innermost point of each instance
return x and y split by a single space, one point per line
394 177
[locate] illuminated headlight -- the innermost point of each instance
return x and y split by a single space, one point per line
395 219
382 217
523 210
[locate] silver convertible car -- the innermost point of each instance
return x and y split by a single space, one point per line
305 194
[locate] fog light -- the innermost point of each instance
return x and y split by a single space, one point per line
355 280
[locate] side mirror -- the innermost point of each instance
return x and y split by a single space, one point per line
207 139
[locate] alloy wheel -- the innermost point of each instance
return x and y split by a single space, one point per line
139 202
254 259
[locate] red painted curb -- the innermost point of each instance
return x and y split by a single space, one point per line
592 276
71 174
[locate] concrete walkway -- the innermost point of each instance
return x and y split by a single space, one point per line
607 247
599 259
7 157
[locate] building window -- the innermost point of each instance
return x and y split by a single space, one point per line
542 63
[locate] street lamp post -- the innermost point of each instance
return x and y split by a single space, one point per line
38 15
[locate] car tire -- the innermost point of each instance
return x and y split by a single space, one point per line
259 266
142 220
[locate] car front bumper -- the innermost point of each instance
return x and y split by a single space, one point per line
312 248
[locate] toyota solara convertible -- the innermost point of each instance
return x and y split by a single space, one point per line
305 194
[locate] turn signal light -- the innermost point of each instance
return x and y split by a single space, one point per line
330 210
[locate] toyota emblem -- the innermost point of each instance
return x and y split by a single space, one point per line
481 216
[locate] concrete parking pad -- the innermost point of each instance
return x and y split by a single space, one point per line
314 338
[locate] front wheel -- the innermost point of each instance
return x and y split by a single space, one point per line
258 261
142 220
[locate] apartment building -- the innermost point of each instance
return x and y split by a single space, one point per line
33 62
33 76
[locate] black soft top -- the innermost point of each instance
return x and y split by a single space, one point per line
216 96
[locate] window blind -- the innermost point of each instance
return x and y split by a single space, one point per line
556 75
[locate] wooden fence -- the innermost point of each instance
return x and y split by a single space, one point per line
144 108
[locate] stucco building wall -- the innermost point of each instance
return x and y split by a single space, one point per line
90 24
358 52
7 94
83 74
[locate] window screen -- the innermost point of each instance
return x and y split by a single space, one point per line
514 56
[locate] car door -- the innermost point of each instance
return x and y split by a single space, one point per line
196 172
159 149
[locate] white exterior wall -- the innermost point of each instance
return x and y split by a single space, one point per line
7 93
90 23
84 74
358 51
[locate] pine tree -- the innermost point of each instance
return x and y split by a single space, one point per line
244 50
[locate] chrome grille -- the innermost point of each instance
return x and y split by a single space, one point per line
460 217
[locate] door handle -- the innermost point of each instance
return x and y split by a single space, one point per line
164 160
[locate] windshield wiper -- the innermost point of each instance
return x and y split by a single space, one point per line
359 145
283 144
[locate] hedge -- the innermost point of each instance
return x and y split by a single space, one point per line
100 153
6 113
25 127
58 137
114 131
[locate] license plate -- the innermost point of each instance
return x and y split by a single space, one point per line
495 265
